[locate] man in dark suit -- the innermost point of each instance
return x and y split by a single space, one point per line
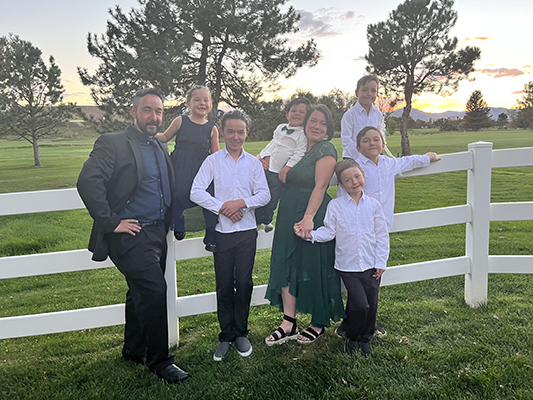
126 185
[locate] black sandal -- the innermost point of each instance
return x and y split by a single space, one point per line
310 334
280 336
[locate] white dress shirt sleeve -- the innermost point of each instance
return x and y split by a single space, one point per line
268 150
202 180
260 191
299 151
349 143
328 231
381 125
382 238
407 163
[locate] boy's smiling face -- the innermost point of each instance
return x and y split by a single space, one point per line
234 133
366 95
371 145
296 114
352 180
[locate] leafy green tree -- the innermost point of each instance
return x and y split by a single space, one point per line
392 125
502 121
236 48
30 93
266 116
412 52
523 118
477 114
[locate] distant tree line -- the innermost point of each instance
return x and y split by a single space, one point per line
240 50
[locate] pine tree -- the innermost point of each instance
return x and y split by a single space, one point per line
30 93
477 114
236 48
412 52
524 116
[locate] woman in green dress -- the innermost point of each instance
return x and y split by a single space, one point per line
302 277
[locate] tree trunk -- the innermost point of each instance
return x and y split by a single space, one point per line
36 155
406 147
202 67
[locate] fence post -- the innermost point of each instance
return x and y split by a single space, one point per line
172 293
477 231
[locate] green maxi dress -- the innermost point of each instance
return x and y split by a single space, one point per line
306 266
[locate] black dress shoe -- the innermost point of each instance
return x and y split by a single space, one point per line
134 359
172 374
180 235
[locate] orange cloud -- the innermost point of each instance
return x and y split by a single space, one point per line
477 38
501 72
519 92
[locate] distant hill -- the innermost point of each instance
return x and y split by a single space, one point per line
424 116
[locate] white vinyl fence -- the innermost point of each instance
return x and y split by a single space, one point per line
475 265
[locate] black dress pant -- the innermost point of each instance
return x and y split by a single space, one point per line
141 259
265 214
234 261
362 304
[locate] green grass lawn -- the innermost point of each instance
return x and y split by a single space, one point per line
436 347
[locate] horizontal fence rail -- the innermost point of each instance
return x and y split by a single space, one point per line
475 265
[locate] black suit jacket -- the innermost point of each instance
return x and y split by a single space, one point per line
108 182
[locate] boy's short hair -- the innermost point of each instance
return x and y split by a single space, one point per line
145 92
363 132
235 114
365 79
296 101
327 114
343 165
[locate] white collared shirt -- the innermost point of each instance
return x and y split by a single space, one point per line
379 179
242 179
352 122
284 148
360 233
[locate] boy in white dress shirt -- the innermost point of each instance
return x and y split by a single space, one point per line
286 148
364 113
240 187
357 223
381 171
380 174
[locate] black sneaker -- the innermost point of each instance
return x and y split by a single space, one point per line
365 348
211 247
351 346
340 331
379 331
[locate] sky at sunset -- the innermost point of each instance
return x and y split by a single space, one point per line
502 30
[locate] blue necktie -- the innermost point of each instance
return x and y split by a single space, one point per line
163 171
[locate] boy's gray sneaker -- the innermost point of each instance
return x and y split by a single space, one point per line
243 346
221 350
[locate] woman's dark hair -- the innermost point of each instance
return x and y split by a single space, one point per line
327 114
